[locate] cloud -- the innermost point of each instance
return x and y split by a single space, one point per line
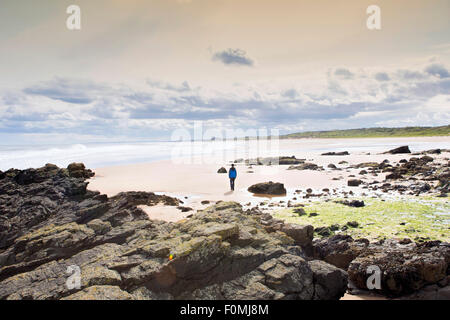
79 107
170 87
410 74
67 90
437 70
343 73
233 57
382 76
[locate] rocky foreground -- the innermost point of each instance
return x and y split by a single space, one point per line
49 221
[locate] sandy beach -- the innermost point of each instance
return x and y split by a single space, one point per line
194 181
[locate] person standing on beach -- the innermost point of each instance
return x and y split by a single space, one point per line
232 174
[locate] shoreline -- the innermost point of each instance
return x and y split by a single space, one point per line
201 182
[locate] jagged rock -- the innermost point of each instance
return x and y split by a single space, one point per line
78 170
268 188
302 235
403 149
338 250
403 269
328 280
221 252
222 170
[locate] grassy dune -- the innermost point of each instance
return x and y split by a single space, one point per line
374 133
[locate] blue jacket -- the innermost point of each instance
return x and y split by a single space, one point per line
232 173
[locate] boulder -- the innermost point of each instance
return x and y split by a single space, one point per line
399 150
302 235
222 170
271 188
329 281
354 182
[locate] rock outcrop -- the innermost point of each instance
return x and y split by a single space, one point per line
406 267
49 222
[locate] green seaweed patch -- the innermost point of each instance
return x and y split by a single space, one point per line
417 218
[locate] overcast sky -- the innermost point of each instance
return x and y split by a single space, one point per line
142 68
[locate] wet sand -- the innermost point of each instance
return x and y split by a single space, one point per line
192 180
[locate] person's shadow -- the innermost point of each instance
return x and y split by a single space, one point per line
228 193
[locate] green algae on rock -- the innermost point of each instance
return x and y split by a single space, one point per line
411 217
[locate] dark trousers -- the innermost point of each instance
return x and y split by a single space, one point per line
232 183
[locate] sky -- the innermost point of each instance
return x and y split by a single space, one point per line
141 69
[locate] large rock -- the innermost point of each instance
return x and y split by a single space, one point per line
339 250
404 269
222 170
221 252
302 235
399 150
354 182
272 188
329 281
405 266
